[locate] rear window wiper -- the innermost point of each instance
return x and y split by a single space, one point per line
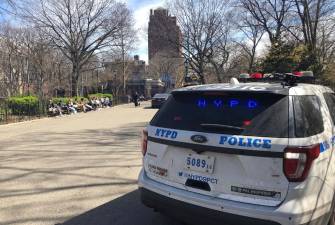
221 127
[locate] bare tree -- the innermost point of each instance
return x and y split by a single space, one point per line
7 6
41 63
12 59
221 50
252 34
79 28
28 64
311 12
162 65
272 15
326 42
124 46
201 24
117 68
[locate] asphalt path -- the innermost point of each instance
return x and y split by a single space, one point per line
75 170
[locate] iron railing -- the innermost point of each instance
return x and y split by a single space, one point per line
8 115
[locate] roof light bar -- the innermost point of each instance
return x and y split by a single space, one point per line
286 79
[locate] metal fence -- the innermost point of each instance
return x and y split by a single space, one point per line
8 115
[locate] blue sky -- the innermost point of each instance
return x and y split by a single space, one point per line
141 10
142 3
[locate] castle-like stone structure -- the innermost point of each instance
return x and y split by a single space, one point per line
164 36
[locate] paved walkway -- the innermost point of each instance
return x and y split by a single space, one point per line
76 170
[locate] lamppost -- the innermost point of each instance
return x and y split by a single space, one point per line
97 80
186 63
186 77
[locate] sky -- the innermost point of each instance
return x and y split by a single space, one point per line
141 11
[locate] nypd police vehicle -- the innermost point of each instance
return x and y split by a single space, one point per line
242 154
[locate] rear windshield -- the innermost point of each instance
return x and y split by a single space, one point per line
307 115
242 113
330 99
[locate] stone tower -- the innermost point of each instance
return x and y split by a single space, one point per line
164 34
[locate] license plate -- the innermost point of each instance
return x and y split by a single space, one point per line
199 163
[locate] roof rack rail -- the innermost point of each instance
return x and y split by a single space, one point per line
286 79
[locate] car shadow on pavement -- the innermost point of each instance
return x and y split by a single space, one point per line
125 210
50 176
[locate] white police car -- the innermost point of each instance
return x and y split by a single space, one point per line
251 153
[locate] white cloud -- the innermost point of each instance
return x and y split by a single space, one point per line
141 16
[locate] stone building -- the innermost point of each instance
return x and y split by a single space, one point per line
164 38
139 81
136 78
164 34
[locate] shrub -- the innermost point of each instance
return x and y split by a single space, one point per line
67 100
60 100
101 95
26 105
79 98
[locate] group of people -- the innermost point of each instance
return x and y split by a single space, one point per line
82 105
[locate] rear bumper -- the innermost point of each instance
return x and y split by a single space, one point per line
189 206
195 214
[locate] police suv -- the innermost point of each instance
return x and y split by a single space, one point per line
242 154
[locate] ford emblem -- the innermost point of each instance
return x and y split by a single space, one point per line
199 138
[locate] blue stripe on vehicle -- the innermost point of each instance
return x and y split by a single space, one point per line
324 146
333 141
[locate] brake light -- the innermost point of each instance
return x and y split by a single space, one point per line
144 143
298 161
246 122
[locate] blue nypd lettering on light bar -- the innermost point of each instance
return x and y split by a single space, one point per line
233 103
245 142
252 104
204 103
218 103
166 133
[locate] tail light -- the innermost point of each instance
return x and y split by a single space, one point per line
144 144
298 161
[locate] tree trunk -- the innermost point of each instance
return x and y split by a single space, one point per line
123 65
201 73
252 59
74 80
217 72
